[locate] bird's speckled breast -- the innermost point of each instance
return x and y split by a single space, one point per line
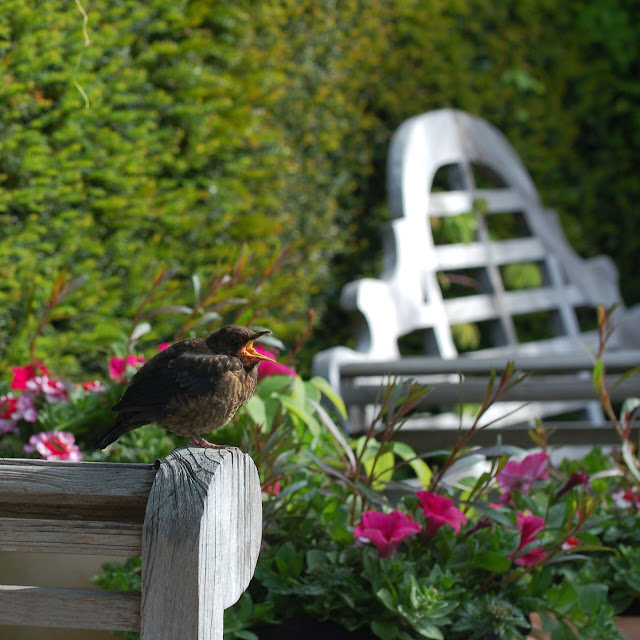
195 415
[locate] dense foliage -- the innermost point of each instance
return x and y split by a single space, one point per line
177 131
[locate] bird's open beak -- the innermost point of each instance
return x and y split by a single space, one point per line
247 351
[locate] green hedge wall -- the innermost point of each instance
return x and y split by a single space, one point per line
213 124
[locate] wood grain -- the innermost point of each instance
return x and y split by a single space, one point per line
70 608
201 541
71 536
63 482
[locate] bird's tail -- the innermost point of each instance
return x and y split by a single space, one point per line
121 427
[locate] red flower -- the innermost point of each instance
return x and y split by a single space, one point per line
570 543
8 406
272 368
22 375
521 475
118 366
439 510
385 531
94 385
529 527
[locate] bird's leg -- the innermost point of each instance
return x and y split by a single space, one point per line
205 443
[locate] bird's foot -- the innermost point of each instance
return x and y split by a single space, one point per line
205 443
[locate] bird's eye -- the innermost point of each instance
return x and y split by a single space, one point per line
237 343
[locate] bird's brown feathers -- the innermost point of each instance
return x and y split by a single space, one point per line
192 387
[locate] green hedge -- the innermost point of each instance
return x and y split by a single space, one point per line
215 124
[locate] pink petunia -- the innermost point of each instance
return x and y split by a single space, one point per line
53 390
54 445
529 527
272 368
118 366
385 531
94 385
163 345
521 475
627 498
22 375
439 510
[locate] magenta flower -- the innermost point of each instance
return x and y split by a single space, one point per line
575 479
54 445
94 385
272 368
521 475
22 375
385 531
439 510
118 366
272 487
163 345
529 527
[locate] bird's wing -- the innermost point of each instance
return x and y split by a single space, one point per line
172 373
198 373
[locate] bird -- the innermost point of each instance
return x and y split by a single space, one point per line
194 386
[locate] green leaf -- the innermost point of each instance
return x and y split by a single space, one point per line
324 386
256 410
302 414
491 561
420 467
385 630
597 375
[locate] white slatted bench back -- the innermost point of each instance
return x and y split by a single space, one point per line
409 297
196 520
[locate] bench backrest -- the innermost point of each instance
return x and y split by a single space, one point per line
470 254
196 520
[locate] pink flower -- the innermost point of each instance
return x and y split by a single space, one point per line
21 375
54 445
53 390
94 385
118 366
628 498
439 510
163 345
272 487
385 530
272 368
521 475
529 527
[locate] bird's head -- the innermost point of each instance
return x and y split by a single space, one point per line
236 340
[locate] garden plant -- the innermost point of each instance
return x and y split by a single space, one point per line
363 533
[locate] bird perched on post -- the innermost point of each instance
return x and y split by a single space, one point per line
192 387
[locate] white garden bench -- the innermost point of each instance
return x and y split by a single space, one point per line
444 164
195 518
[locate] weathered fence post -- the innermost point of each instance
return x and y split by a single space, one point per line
200 542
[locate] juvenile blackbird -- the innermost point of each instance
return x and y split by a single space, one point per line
192 387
